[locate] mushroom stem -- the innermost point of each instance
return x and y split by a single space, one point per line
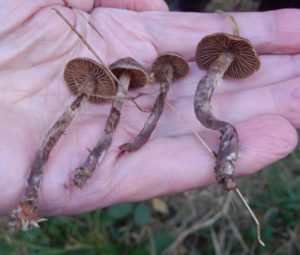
156 112
85 171
26 215
228 149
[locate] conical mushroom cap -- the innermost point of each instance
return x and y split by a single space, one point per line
179 64
245 61
138 75
85 76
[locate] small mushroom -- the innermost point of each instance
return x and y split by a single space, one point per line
230 56
167 68
131 75
89 81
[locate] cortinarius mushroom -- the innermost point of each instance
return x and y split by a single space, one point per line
238 52
131 75
234 57
167 68
89 81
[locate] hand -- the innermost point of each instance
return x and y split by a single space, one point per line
35 46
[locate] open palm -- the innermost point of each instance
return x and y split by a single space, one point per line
35 45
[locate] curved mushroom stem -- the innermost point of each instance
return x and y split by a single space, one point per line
153 118
85 171
228 150
26 215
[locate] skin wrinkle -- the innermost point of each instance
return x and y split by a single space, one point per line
92 19
288 103
160 26
84 33
99 21
106 186
127 31
136 183
295 59
42 91
66 35
137 38
279 28
119 36
151 39
10 136
30 47
22 19
101 25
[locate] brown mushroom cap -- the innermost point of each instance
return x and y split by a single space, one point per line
138 75
85 76
245 61
179 64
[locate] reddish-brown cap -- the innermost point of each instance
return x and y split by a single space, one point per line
85 76
179 65
245 61
138 75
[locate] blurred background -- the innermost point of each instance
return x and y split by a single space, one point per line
205 221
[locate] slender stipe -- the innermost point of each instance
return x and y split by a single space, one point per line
167 68
130 74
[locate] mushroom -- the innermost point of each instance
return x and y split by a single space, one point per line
89 81
131 75
167 68
230 56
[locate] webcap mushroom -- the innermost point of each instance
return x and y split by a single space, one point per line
234 57
167 68
234 49
89 81
131 75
